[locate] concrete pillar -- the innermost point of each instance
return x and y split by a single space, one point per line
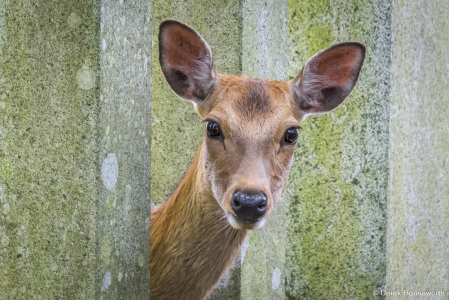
177 130
124 139
74 149
76 119
418 207
264 55
337 192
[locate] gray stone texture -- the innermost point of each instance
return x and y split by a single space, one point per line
338 184
75 80
83 100
264 55
124 138
418 205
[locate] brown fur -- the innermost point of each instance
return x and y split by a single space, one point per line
192 244
254 104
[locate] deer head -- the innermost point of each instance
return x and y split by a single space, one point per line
251 125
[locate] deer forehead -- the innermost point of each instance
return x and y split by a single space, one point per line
256 107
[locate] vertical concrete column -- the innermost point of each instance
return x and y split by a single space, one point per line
418 207
48 149
264 55
177 130
124 138
338 185
74 164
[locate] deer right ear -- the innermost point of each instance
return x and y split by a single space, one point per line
186 61
328 77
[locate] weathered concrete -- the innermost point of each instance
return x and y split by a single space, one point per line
48 155
124 137
177 130
338 184
264 55
418 207
75 136
74 190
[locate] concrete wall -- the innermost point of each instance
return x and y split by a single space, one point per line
177 130
123 141
264 55
83 100
48 157
418 207
74 158
338 185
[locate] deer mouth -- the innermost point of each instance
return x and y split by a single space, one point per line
242 224
244 221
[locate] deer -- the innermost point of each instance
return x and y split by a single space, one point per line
241 168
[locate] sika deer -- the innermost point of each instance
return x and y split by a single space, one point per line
241 169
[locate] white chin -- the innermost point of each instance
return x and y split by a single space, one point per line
240 225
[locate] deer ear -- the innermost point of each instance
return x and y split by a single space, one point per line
186 61
328 77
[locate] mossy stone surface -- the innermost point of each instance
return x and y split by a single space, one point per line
124 141
74 168
177 130
48 150
338 184
264 55
418 207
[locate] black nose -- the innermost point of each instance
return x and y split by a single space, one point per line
249 206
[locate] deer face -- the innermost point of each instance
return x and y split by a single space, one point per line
251 125
251 131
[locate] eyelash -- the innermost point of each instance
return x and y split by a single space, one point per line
219 136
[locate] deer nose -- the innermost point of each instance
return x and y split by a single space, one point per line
249 206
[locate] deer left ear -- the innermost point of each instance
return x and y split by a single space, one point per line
328 77
186 61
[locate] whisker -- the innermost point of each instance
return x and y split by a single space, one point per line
225 226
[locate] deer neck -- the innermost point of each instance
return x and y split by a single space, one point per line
192 243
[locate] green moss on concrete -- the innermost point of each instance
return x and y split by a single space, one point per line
264 35
47 151
418 207
317 38
337 186
124 126
60 238
264 55
177 129
310 33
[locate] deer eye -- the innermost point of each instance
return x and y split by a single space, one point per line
291 135
212 129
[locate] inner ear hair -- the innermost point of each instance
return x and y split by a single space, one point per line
328 77
186 61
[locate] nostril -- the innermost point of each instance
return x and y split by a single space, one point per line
262 205
236 203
